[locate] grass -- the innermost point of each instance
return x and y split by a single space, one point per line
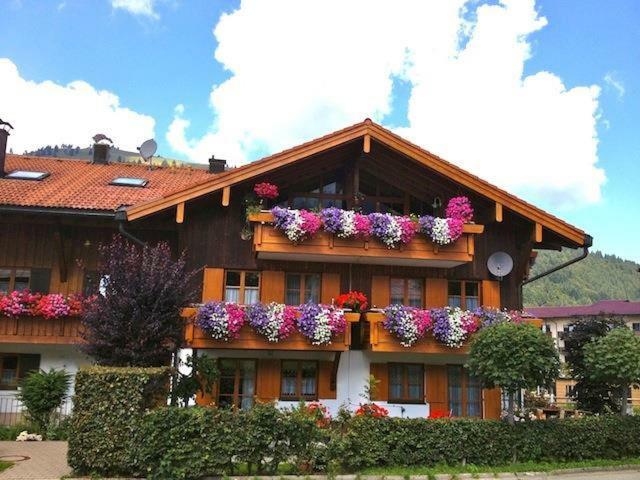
4 465
515 467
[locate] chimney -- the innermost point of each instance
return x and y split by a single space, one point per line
4 135
217 165
101 153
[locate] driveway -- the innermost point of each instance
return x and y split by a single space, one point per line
45 460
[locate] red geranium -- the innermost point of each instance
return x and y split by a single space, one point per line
319 413
356 301
372 410
266 190
439 414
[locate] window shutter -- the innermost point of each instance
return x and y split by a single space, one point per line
324 381
213 285
268 378
437 394
272 286
492 403
380 291
381 373
40 280
490 293
436 292
330 287
28 363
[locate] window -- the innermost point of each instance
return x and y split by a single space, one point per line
35 279
320 192
242 287
302 288
236 387
406 383
465 295
14 366
407 291
299 380
465 393
27 175
129 182
570 391
636 327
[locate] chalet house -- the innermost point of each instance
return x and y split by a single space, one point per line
53 223
556 323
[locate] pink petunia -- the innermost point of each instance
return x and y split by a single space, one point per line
311 222
363 225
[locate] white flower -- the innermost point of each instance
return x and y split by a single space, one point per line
440 231
25 436
348 224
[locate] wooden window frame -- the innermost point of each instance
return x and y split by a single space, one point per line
19 368
12 276
242 286
302 285
463 295
299 396
321 196
236 397
464 397
405 384
405 294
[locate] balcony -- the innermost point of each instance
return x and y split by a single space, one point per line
195 337
40 330
270 244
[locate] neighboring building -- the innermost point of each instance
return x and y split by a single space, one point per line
52 223
557 322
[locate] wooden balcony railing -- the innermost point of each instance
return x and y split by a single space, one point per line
268 243
195 337
40 330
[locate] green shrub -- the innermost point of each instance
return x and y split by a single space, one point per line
42 393
108 409
10 432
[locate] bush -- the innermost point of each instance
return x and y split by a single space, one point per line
108 409
42 393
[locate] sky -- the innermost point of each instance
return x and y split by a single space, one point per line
539 97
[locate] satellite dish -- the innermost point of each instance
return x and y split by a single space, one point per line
148 148
500 264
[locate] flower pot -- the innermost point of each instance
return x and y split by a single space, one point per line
352 316
374 316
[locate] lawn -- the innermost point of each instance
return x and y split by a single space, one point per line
515 467
4 465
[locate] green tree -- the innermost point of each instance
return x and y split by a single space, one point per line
42 393
591 396
202 377
513 356
615 360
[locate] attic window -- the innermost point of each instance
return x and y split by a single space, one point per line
27 175
129 182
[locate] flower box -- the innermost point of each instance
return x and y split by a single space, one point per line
40 330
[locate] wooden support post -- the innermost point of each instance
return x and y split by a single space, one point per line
366 148
498 212
62 260
180 213
537 233
226 196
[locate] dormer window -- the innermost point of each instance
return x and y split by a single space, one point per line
27 175
129 182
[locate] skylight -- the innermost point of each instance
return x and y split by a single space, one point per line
27 175
129 182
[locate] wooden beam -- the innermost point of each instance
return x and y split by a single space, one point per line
62 260
180 213
537 233
498 212
226 196
366 148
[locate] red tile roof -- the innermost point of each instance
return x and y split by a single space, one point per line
77 184
610 307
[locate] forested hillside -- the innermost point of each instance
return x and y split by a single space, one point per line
597 277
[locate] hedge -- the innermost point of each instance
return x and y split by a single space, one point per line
109 404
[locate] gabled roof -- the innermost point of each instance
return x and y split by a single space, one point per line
79 185
603 307
373 131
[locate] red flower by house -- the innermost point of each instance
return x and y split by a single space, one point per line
372 410
266 190
435 413
356 301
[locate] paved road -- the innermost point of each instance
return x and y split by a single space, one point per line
47 460
620 475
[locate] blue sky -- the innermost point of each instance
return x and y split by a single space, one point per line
163 71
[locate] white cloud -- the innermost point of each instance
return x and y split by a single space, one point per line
302 69
611 81
47 113
145 8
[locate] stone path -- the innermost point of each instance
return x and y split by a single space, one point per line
47 460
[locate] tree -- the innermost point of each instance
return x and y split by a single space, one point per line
202 376
615 360
513 356
136 320
591 396
42 393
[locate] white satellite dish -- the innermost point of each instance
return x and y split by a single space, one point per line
500 264
148 148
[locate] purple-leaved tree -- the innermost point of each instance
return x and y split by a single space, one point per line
136 321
